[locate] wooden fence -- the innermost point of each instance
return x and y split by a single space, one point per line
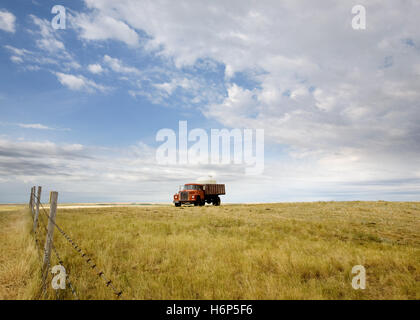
37 209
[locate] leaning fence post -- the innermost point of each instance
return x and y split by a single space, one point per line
38 200
30 198
50 233
33 200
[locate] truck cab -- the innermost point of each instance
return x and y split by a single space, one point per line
198 194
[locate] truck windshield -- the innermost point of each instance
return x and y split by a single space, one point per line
191 187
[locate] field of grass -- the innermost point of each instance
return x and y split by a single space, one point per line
18 255
264 251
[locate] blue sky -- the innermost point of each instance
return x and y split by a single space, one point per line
104 118
81 107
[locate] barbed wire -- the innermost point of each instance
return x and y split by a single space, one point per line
37 245
89 261
43 272
73 291
59 261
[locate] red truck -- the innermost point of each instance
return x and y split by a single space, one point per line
198 194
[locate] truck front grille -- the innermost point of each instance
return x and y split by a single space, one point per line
184 196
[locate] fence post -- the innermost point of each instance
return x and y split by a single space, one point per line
30 197
32 200
38 200
50 234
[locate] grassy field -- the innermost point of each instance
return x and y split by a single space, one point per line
18 256
264 251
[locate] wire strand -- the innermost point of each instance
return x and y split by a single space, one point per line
89 261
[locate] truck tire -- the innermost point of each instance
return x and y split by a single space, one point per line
177 204
199 202
216 201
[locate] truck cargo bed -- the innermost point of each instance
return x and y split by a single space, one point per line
214 189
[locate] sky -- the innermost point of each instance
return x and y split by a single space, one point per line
81 106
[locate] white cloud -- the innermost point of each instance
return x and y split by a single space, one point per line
17 51
34 126
117 66
48 40
95 68
32 68
16 59
20 55
101 27
37 126
7 21
238 103
71 81
50 50
169 87
79 83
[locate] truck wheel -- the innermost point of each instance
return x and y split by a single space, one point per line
216 202
199 202
177 204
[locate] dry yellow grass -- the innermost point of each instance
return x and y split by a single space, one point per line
265 251
18 257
